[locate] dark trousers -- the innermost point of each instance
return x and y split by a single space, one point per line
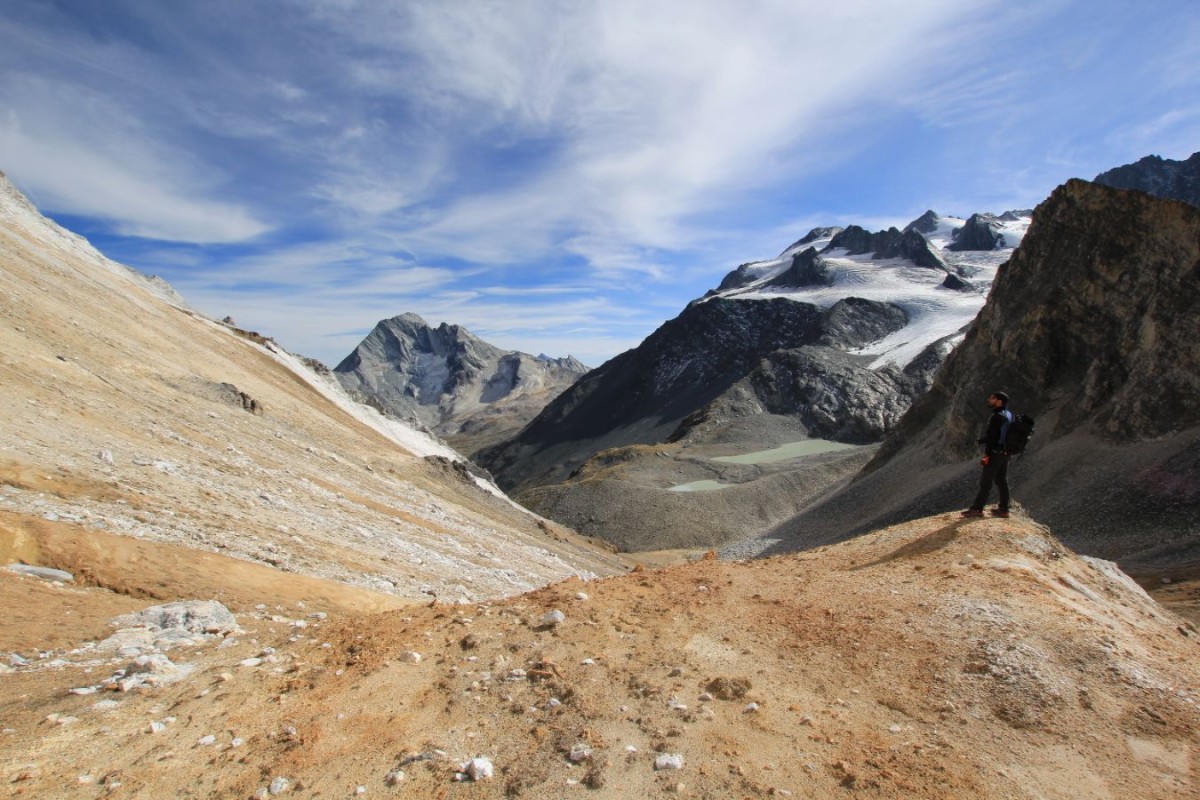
996 471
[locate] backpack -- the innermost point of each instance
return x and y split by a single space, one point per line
1016 438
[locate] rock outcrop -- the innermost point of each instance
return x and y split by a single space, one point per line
887 244
980 233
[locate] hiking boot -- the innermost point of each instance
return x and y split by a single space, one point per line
1001 512
973 512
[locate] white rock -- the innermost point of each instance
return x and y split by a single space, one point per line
668 761
479 768
45 573
895 729
279 786
105 705
394 778
411 657
580 752
751 708
83 690
554 617
250 662
155 727
206 741
581 596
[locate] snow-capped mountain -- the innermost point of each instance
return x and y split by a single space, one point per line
451 381
939 288
841 332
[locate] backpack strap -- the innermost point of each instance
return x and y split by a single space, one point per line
1004 426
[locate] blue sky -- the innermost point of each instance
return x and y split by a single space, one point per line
558 176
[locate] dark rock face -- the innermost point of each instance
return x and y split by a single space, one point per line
834 395
957 284
1161 177
979 233
888 244
1091 328
926 223
737 278
451 382
642 395
807 269
1097 310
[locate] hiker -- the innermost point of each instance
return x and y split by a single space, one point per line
995 458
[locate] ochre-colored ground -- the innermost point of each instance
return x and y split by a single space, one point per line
941 659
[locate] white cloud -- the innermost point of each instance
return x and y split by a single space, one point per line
77 155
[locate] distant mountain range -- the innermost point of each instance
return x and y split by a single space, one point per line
451 382
841 332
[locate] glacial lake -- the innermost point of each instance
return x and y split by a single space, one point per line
700 486
806 447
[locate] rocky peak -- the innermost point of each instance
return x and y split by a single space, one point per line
926 223
815 235
887 244
451 381
807 269
1161 177
981 232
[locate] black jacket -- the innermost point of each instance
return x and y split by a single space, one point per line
993 439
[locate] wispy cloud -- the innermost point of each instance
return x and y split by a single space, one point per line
611 158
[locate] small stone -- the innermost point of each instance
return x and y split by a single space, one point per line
156 727
479 768
706 697
360 790
105 705
251 662
580 752
668 761
394 778
84 690
751 708
895 729
552 618
279 786
588 662
411 657
581 596
206 741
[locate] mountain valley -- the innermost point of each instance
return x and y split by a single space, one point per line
224 577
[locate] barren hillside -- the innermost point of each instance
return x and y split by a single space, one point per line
940 659
127 413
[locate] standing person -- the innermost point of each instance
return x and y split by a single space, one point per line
995 459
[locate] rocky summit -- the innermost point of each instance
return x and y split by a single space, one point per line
1162 177
451 382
